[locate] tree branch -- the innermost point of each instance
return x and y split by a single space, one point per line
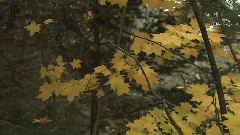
174 53
215 73
217 116
121 25
27 129
233 54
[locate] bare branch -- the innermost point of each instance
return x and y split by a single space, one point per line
27 129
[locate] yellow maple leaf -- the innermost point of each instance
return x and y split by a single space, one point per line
164 4
177 13
58 71
158 60
158 115
43 72
197 90
60 60
216 37
183 109
89 15
102 2
137 75
195 25
90 82
33 28
113 124
232 122
167 55
218 50
186 41
186 129
167 40
189 52
100 93
46 91
235 107
236 95
47 21
117 83
42 120
225 79
139 44
194 120
235 78
76 63
68 89
102 69
214 130
145 122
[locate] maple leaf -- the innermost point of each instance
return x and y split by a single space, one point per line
89 15
33 28
183 109
167 40
100 93
158 60
102 2
218 50
144 122
137 75
216 37
139 44
90 82
117 83
102 69
69 89
214 130
46 91
42 120
60 60
113 124
166 4
76 63
235 107
189 52
234 77
197 90
225 80
232 122
194 120
43 72
186 41
47 21
186 129
167 55
158 115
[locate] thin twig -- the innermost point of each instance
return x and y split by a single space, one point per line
233 53
217 116
62 25
121 25
174 53
27 129
226 72
101 108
